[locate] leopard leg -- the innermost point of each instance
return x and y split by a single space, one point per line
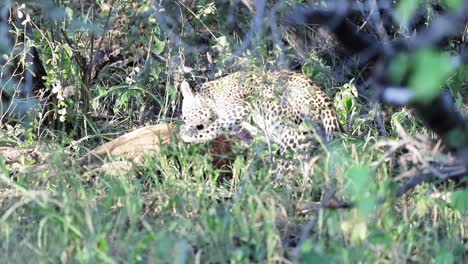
288 136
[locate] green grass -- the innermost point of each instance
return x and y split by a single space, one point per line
175 209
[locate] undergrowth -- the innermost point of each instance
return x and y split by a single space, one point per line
177 207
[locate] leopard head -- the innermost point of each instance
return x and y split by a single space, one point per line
195 113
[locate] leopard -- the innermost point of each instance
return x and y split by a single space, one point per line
288 108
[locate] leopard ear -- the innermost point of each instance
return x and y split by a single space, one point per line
186 90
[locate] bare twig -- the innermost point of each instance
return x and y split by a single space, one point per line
106 27
444 174
327 197
89 69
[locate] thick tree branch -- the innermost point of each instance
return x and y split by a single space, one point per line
450 173
440 115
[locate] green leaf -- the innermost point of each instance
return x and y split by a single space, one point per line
454 3
310 71
431 70
456 137
3 167
361 177
158 45
348 103
367 204
459 200
363 189
398 68
444 257
143 8
421 207
102 244
309 255
405 11
359 231
381 238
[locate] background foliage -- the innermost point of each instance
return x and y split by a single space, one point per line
114 65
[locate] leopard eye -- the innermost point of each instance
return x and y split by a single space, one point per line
200 127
